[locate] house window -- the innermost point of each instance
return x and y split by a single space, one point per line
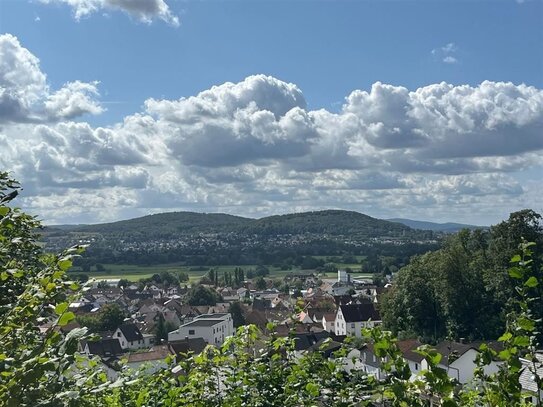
416 366
118 334
191 331
352 326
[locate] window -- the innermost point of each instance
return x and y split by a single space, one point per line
191 331
416 366
118 334
352 325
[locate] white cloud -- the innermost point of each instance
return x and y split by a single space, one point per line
143 10
450 60
446 53
25 95
462 153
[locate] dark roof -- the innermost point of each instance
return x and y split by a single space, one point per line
327 348
105 347
303 341
408 347
359 312
195 345
204 322
457 349
131 332
261 304
216 315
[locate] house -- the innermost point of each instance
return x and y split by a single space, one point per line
130 337
105 347
150 361
414 359
351 318
329 321
213 328
527 379
459 359
188 345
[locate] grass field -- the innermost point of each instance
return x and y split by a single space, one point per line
134 272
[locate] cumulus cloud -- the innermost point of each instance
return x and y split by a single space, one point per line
253 148
25 95
145 11
257 119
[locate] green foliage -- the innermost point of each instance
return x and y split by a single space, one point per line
202 295
436 294
44 369
108 318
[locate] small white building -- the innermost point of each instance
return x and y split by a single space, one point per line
213 328
351 318
130 337
459 360
343 277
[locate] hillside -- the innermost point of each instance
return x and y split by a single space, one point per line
328 222
214 238
448 227
170 223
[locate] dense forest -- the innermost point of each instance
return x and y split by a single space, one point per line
44 368
463 289
219 239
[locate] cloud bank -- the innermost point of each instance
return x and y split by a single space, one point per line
145 11
465 153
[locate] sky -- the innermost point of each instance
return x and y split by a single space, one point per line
429 110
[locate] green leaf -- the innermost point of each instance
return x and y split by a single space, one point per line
526 324
522 341
60 308
312 389
515 272
531 282
505 337
504 355
4 210
64 264
66 318
516 258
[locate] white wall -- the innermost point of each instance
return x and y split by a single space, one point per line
214 335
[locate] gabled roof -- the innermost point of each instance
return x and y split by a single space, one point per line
105 347
159 352
195 345
359 312
303 341
131 332
408 347
527 377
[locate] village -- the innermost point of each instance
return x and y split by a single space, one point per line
323 316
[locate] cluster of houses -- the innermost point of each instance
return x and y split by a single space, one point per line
331 311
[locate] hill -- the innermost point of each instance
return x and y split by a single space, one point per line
448 227
215 238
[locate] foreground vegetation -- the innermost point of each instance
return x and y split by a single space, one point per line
45 369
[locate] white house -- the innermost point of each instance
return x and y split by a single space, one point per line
131 337
213 328
329 321
459 360
351 318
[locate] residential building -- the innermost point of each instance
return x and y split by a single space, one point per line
351 318
213 328
130 337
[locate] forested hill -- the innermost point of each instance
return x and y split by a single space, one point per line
449 227
328 222
171 223
200 238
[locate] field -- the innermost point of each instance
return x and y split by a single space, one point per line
134 272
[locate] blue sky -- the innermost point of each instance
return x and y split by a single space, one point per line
327 49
